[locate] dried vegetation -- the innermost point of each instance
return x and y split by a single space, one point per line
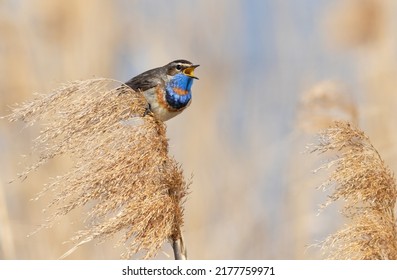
122 170
367 187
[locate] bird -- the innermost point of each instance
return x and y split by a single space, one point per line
167 89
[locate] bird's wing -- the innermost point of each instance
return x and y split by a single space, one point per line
144 81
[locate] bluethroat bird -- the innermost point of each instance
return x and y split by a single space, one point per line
167 89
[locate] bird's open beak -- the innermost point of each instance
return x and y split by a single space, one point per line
190 70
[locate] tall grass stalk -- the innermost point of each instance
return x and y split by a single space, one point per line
122 171
367 187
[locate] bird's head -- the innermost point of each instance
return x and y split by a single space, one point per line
181 66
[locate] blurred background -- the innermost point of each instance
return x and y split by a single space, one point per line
272 74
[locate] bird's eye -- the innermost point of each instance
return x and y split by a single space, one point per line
178 67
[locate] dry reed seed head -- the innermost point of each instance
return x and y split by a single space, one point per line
368 188
324 103
367 237
360 174
121 164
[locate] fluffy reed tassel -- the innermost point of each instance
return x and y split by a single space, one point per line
324 103
121 164
368 188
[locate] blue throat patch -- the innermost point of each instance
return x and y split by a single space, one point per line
178 91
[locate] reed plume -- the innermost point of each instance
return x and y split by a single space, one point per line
324 103
121 171
367 187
